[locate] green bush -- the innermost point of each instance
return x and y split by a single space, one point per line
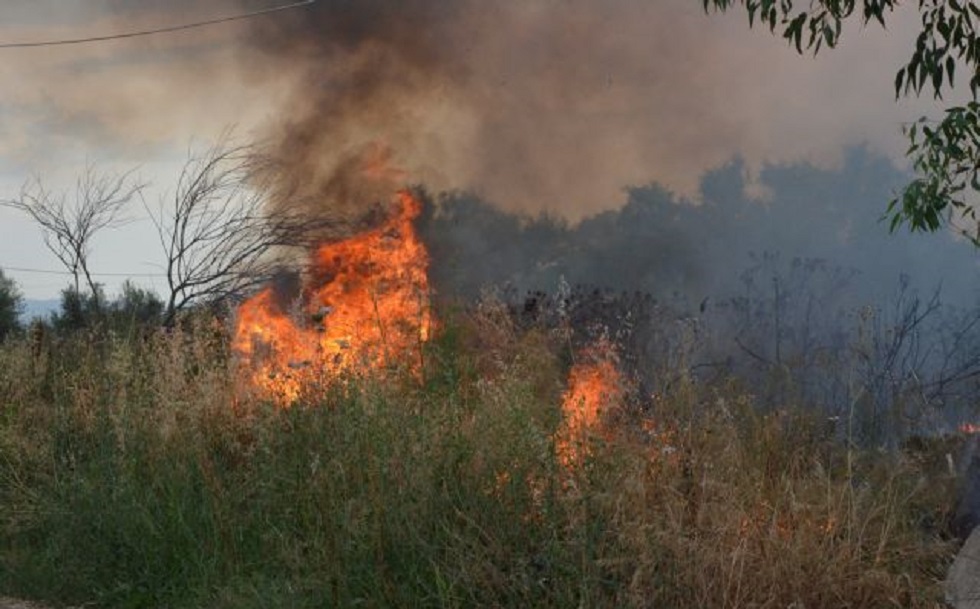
11 306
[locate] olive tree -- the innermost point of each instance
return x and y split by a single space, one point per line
11 306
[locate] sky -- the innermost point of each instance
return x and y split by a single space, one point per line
535 105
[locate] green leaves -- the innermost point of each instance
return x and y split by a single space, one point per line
822 21
945 155
11 305
948 38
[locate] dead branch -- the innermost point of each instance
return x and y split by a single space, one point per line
69 224
218 233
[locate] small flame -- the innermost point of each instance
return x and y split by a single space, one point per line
594 385
365 307
969 428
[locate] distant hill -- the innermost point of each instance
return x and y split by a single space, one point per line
38 308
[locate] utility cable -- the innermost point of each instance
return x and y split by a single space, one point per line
161 30
54 272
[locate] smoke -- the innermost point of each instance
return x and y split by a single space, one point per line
829 220
535 105
560 106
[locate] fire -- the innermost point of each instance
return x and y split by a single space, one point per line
594 384
364 307
969 428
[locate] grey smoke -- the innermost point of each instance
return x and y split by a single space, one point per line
532 104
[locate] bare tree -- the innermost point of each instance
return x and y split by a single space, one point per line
219 236
69 224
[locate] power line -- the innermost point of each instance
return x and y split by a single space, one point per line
161 30
54 272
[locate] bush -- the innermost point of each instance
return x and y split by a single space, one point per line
78 309
11 306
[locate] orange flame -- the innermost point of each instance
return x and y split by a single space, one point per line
365 306
594 384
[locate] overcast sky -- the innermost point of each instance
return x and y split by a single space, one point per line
537 104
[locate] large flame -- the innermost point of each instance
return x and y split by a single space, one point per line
365 307
594 385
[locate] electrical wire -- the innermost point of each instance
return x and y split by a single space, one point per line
54 272
161 30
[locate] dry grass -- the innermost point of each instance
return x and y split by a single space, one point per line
137 472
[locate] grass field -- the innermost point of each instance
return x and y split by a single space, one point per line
139 472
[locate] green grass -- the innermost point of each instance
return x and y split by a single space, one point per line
136 473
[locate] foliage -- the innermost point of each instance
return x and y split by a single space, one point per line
133 308
947 158
78 309
946 154
11 305
136 306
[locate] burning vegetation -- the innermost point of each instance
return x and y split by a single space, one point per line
594 385
385 492
364 306
666 465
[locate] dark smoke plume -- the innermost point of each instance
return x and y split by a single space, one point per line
534 105
368 65
555 106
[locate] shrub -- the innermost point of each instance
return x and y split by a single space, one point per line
11 306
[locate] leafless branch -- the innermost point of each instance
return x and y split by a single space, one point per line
69 225
219 236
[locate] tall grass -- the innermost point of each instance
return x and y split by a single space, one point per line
136 472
